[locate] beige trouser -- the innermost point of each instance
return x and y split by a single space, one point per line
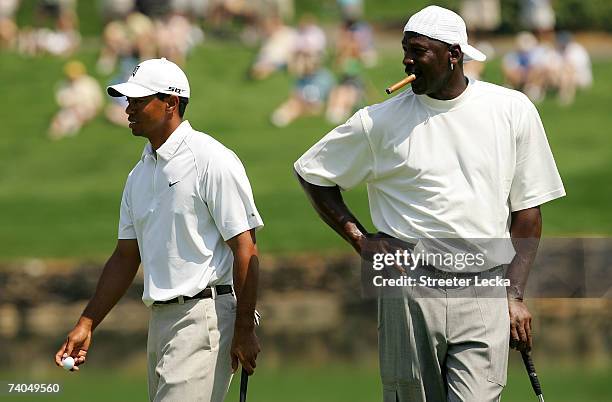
189 350
444 344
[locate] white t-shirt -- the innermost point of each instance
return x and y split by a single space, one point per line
441 169
181 207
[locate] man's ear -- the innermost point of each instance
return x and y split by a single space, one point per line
456 54
172 103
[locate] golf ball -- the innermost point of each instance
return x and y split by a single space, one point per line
68 363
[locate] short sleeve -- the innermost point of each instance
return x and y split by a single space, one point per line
126 224
536 178
343 157
226 190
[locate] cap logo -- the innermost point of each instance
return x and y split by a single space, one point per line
175 89
135 69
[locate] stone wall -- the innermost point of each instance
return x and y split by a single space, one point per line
311 306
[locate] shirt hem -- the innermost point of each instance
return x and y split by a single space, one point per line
312 179
539 200
228 234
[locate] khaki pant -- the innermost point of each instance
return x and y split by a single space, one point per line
444 344
189 350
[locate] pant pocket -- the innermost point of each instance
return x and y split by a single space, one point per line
497 324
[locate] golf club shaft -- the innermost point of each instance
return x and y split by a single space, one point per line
533 377
244 376
244 383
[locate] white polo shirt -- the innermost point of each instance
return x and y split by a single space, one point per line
441 169
181 207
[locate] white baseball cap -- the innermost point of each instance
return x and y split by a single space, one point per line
153 76
446 26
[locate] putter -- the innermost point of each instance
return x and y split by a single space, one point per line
244 383
244 376
533 377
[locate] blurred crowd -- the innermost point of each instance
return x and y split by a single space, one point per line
302 51
55 28
326 66
543 61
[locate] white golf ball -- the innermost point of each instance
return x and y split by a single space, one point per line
68 363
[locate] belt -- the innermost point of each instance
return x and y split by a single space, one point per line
448 275
206 293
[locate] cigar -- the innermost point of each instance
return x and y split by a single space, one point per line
400 84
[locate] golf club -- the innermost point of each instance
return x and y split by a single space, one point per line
244 376
533 377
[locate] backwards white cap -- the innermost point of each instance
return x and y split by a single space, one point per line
446 26
153 76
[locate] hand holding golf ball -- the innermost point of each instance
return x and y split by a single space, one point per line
73 351
68 363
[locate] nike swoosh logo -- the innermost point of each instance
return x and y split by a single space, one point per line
172 184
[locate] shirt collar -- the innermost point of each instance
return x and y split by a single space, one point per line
169 148
444 105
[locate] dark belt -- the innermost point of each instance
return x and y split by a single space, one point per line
438 273
207 293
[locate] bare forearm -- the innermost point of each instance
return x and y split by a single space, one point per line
330 206
525 230
246 277
117 276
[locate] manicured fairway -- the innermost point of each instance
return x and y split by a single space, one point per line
302 383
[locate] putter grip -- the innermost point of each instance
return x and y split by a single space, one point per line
244 382
533 377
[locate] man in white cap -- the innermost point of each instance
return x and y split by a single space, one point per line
188 215
452 160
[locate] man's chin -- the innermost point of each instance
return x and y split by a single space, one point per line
418 90
136 133
134 129
418 86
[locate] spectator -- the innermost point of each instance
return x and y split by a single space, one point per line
79 98
575 68
351 9
276 50
311 37
116 44
532 68
176 36
196 9
349 61
142 33
8 27
481 17
61 39
113 10
537 15
153 8
313 81
308 96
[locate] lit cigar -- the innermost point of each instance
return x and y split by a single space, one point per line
400 84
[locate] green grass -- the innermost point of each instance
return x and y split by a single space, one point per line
61 199
306 383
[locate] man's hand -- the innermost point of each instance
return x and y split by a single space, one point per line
520 325
76 344
245 347
381 243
